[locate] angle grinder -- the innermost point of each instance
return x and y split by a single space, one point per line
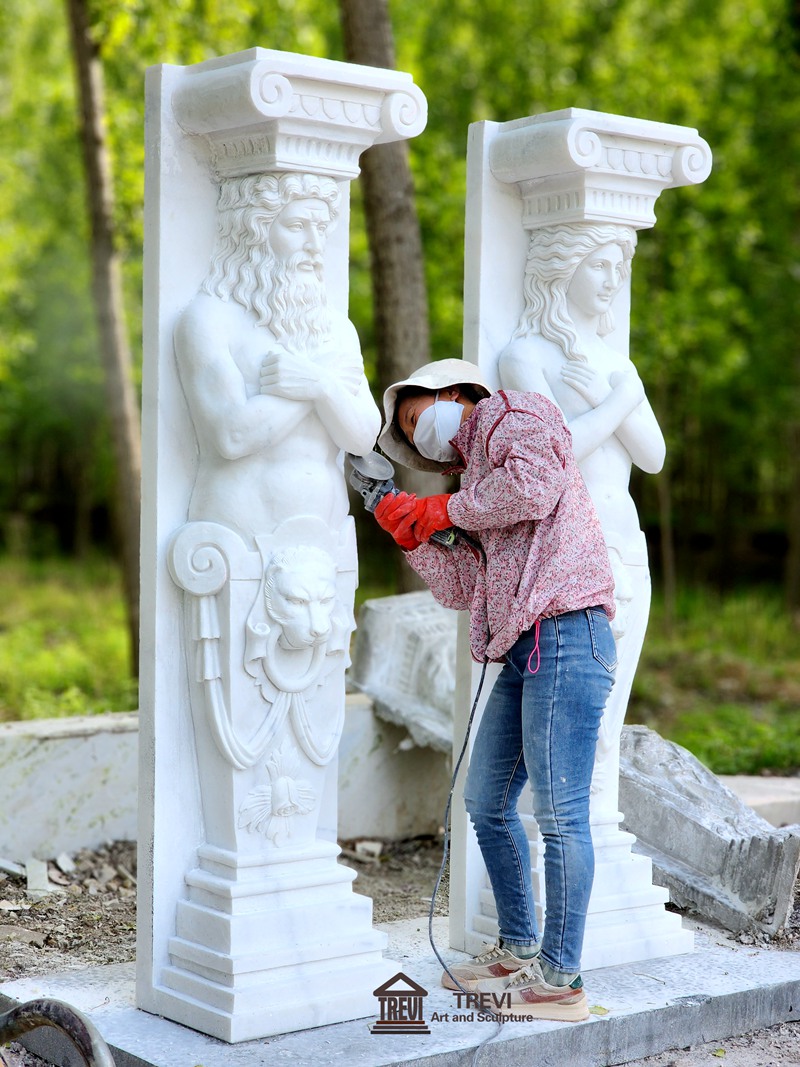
372 477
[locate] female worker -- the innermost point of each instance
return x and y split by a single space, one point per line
534 574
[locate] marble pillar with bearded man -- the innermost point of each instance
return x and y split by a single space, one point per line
253 391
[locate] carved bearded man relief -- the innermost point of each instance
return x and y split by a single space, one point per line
274 381
272 375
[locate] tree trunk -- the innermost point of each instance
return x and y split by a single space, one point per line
792 570
107 291
400 301
792 581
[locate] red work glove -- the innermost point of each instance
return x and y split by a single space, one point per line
396 514
432 516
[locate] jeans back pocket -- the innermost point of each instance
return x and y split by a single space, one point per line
604 647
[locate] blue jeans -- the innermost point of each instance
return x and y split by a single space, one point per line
541 725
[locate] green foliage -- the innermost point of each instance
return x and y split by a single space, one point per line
63 641
715 284
731 739
724 682
57 467
53 432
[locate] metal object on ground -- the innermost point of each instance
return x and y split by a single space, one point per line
48 1012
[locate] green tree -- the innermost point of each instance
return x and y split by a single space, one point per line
53 428
115 350
715 283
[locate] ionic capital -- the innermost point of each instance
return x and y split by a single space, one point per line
263 110
587 166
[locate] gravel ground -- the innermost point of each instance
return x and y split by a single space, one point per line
91 921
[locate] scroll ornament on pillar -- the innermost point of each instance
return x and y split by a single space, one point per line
296 634
588 182
275 113
583 166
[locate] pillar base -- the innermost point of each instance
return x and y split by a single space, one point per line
626 921
271 945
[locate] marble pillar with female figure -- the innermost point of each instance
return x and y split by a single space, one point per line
554 206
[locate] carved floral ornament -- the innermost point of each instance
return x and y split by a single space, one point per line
269 809
273 111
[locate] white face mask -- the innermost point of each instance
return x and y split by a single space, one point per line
435 427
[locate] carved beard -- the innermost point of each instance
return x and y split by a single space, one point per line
297 300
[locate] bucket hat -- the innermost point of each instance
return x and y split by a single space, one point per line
437 375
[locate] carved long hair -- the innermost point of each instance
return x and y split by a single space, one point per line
554 254
246 208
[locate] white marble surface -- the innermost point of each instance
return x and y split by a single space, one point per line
67 784
380 771
404 659
776 799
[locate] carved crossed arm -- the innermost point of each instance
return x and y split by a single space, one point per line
335 386
225 416
619 407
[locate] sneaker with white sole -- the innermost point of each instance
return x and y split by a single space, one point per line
528 996
496 963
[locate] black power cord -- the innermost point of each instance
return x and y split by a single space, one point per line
445 857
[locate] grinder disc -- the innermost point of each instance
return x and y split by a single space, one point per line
373 466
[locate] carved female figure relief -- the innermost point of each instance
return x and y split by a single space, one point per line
573 274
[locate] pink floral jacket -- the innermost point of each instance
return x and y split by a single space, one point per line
523 499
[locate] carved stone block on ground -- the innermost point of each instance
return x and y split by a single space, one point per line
717 857
404 659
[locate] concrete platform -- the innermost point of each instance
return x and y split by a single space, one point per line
775 799
721 990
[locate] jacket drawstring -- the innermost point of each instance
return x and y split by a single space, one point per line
536 650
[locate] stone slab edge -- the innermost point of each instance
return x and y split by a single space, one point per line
694 1020
642 1021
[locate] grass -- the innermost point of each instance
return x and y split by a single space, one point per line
63 640
723 682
